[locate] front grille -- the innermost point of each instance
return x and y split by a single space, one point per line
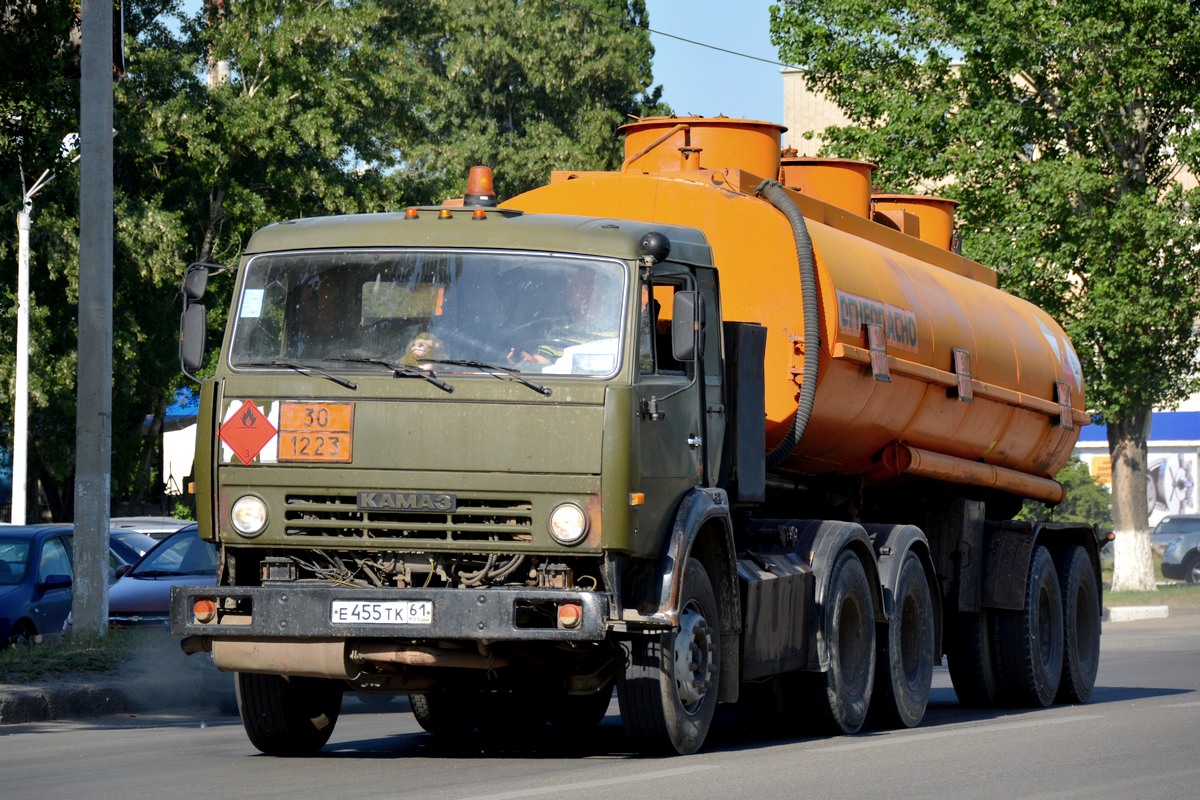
475 520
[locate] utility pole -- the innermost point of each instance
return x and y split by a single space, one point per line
93 413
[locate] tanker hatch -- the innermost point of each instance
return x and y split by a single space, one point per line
840 182
930 219
686 144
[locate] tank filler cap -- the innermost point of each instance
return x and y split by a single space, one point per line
655 247
480 189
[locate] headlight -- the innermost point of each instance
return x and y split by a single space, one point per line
568 524
249 515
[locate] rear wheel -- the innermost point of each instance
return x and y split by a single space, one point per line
905 657
1081 626
447 712
288 716
668 691
1030 641
970 657
578 713
842 694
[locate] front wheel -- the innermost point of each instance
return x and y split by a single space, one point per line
288 716
20 635
1191 569
668 691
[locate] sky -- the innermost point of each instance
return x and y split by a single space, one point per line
698 80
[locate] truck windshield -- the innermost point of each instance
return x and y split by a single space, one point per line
446 310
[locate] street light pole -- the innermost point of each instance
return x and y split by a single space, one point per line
21 389
20 481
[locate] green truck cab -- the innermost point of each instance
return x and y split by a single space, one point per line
496 523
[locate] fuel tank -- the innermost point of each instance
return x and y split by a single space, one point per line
921 359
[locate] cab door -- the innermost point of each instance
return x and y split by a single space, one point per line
669 426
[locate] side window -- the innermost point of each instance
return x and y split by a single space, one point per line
654 334
55 560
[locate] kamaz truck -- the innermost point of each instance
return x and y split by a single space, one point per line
720 426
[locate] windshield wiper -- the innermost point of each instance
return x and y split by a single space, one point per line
503 373
404 371
304 369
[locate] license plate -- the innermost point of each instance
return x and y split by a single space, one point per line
391 612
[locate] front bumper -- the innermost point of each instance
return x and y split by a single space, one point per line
305 611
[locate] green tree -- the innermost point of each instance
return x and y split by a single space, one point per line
1062 128
1087 501
237 113
534 85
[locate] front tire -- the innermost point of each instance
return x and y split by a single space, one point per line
21 635
1081 626
1191 569
668 691
288 716
1029 642
905 658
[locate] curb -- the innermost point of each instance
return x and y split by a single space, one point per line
40 703
1135 613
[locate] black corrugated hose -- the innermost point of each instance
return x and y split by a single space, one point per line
777 196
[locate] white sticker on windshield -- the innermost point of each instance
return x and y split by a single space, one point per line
252 301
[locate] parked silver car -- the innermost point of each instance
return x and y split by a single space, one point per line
1181 559
1171 528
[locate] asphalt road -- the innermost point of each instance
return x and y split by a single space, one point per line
1137 739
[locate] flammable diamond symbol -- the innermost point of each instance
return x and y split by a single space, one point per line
247 432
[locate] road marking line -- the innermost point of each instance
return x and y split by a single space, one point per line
880 741
567 787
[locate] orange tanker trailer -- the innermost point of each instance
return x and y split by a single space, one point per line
923 366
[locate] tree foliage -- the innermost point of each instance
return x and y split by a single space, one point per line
1062 128
237 113
1087 501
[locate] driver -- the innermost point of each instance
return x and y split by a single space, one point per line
582 316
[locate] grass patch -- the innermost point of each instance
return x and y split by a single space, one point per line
1173 594
78 654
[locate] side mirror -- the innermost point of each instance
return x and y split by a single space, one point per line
195 281
687 326
192 330
192 326
56 581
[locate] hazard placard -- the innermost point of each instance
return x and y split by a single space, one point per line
247 432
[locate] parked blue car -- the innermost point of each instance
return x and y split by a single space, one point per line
35 579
